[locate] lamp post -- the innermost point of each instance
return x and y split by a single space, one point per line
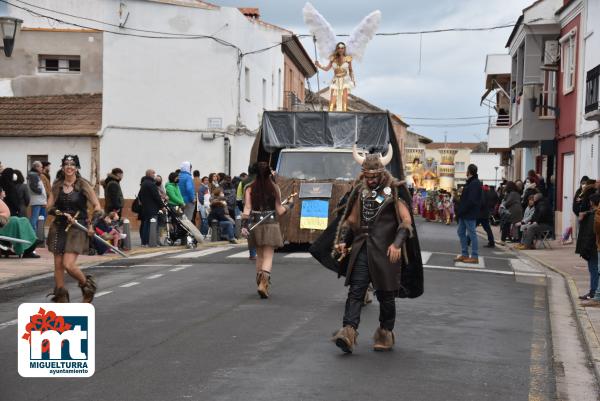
8 29
496 179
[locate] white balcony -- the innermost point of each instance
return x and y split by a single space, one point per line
498 134
497 67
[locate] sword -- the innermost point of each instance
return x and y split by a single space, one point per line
262 219
80 226
14 240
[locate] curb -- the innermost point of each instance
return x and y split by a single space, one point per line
586 328
13 281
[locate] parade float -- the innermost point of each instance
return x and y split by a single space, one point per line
433 187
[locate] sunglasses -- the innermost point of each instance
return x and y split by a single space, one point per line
65 164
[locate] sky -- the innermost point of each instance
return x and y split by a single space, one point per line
448 81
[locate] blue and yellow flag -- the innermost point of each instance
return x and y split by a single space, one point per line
314 214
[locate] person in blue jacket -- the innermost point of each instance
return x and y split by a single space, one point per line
467 212
186 187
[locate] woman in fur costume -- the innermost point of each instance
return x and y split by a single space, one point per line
68 202
263 204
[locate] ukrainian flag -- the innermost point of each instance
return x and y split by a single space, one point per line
314 214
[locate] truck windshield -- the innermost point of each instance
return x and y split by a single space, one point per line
318 165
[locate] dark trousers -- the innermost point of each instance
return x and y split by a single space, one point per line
505 228
359 282
145 229
485 223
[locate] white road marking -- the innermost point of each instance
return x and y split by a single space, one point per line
129 284
152 277
9 323
147 255
425 256
203 252
479 265
521 266
243 254
102 293
298 255
176 269
478 270
152 265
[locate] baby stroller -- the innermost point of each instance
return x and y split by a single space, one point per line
180 228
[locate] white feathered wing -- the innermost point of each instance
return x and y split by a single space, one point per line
362 34
320 29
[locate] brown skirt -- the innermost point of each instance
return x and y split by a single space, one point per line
61 242
266 234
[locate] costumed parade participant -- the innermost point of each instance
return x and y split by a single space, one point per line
340 55
68 203
262 205
375 241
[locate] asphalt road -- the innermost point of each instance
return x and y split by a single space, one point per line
193 328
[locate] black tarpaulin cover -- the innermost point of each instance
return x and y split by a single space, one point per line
283 129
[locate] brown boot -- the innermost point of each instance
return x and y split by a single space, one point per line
264 281
88 289
345 338
61 295
384 340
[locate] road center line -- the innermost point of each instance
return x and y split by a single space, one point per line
152 277
203 252
471 269
9 323
102 293
129 284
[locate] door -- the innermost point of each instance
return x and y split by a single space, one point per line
567 189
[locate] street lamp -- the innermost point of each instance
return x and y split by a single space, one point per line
8 28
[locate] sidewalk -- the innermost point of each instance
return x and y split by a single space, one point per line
563 260
15 269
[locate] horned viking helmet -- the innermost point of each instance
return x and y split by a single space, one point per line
373 163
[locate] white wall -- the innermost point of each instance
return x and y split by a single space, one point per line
587 161
14 151
135 151
485 163
158 94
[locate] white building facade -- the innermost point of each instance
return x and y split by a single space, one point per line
588 127
194 91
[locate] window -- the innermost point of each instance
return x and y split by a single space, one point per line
39 158
247 83
264 94
279 89
592 87
569 60
60 64
548 95
459 167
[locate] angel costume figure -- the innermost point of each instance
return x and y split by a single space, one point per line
339 55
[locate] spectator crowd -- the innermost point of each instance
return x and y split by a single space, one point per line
214 200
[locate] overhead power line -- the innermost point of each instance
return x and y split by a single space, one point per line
170 35
448 125
444 118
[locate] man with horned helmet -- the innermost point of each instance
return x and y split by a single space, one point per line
377 233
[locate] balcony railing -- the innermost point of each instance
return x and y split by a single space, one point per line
591 89
502 120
